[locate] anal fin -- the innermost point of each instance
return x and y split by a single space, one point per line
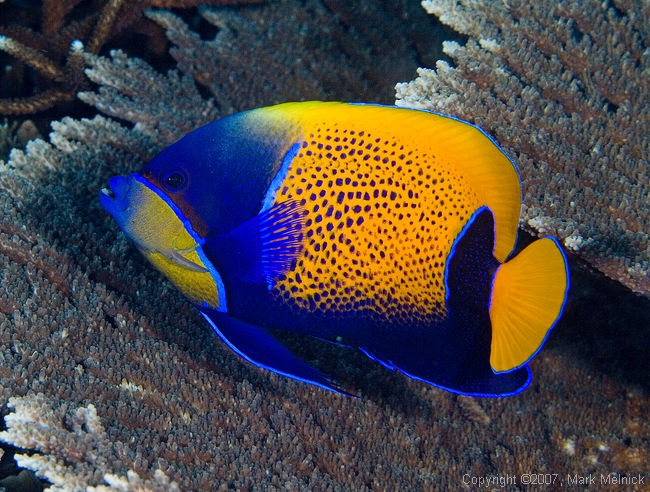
454 353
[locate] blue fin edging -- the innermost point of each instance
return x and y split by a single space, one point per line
260 348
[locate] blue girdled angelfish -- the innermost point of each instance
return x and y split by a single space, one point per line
385 228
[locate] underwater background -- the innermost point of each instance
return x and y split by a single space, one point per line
110 379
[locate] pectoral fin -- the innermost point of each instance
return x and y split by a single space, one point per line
262 248
177 258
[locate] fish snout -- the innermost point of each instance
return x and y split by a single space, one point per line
114 197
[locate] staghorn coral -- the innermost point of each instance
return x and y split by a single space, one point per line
563 87
66 78
62 68
73 444
8 138
15 136
159 104
307 53
86 323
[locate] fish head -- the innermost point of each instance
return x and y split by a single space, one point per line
219 174
146 217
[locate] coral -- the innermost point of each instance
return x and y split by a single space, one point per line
14 136
563 87
64 70
8 138
307 53
164 107
112 375
73 446
66 78
473 410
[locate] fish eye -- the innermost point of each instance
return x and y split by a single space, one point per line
174 180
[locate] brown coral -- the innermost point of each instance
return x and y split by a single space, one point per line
62 66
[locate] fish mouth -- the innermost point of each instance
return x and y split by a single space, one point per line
115 197
109 193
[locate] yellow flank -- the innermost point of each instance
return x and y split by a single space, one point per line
452 144
527 299
387 191
199 287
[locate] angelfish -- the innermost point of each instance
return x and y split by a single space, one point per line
389 229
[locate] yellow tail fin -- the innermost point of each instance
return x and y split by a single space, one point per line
528 297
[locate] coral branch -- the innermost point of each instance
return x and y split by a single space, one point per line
31 57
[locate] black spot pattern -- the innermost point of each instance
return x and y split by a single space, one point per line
381 220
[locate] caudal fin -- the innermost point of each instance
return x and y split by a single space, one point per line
528 296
